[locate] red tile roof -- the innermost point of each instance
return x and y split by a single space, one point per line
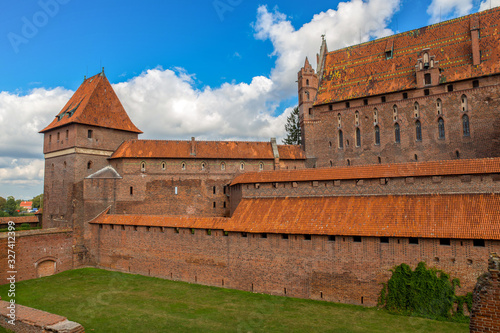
19 219
468 216
205 149
363 70
162 221
437 168
94 103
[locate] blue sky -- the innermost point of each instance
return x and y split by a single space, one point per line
214 69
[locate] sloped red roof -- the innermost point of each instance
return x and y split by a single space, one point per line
94 103
363 70
468 216
163 221
436 168
204 149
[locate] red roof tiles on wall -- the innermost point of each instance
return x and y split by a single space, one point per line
437 168
204 149
363 70
94 103
468 216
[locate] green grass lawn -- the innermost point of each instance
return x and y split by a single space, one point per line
104 301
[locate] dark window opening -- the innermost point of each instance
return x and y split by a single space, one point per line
416 157
384 240
89 165
457 154
284 236
405 95
226 233
244 234
379 160
347 105
224 204
418 131
427 78
356 239
341 140
310 111
89 134
358 137
330 107
365 101
348 162
449 87
413 240
307 82
397 133
377 135
307 237
131 190
444 241
478 242
263 235
426 92
465 125
388 54
214 204
475 84
383 99
441 128
331 238
214 189
67 134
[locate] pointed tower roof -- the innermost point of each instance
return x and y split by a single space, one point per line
306 63
94 103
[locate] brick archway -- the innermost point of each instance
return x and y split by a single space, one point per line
46 267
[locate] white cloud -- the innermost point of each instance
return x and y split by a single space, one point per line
166 104
442 10
487 4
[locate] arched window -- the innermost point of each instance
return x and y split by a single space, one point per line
377 135
223 166
397 133
441 128
465 124
242 166
307 95
183 166
418 131
261 166
439 108
416 110
203 165
358 137
395 112
163 165
143 166
89 165
356 118
341 140
464 103
426 59
375 116
307 82
339 120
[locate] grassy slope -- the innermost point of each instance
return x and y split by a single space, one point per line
104 301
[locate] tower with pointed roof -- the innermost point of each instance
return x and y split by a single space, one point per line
77 143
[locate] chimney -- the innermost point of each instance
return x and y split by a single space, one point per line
193 146
474 31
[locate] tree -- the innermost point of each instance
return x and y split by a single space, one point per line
11 206
38 201
2 203
292 128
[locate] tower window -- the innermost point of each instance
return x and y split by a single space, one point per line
397 133
261 166
449 88
242 166
475 83
89 134
365 101
89 165
465 125
356 118
183 166
339 120
395 112
131 190
347 105
330 107
405 95
307 95
416 109
377 135
426 92
341 140
464 103
418 131
383 99
427 78
143 166
375 116
223 166
439 108
163 165
441 128
203 165
307 82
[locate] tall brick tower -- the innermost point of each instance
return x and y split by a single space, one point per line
77 143
308 83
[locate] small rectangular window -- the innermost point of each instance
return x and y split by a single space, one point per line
331 238
444 241
214 190
263 235
426 92
214 204
89 134
478 242
347 105
449 87
224 204
388 54
405 95
131 190
307 237
356 239
383 99
175 190
365 101
50 138
384 240
330 107
475 83
427 78
413 240
244 234
284 236
67 134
